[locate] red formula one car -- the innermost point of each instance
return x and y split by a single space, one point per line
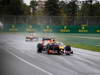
31 38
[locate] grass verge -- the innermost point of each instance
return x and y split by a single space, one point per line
87 47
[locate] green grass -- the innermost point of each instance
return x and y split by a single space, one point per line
87 47
84 43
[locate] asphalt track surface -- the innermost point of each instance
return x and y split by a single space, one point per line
18 57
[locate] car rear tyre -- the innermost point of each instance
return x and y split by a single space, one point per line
71 52
48 52
40 48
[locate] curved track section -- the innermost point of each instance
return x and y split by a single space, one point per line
20 58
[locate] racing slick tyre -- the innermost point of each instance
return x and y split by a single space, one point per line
48 52
71 52
68 50
39 51
39 48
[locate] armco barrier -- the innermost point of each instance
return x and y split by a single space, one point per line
50 28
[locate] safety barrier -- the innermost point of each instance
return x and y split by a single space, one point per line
50 28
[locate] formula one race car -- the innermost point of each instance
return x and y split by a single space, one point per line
31 38
56 48
52 47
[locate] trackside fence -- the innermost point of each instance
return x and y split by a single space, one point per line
76 24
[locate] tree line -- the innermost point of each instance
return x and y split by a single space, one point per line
51 8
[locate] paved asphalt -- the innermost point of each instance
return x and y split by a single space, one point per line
18 57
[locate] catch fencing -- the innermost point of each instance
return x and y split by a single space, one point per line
51 20
59 24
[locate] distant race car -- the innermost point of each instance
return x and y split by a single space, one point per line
31 38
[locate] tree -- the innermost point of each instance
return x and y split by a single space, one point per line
62 6
71 8
90 9
52 8
86 8
16 7
3 6
96 9
26 9
33 5
11 7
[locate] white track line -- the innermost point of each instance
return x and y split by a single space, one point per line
32 65
87 37
98 45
